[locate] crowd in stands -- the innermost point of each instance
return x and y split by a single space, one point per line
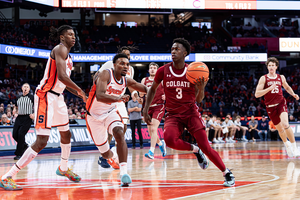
105 38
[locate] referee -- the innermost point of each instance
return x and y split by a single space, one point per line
23 121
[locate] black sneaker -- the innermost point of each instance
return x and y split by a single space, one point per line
229 179
202 160
103 162
17 158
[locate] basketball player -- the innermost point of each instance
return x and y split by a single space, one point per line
181 97
103 115
121 105
156 111
50 108
270 86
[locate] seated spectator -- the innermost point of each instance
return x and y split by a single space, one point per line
4 120
241 128
117 39
227 128
249 24
263 128
129 41
261 47
292 118
212 125
111 39
214 48
1 111
253 128
9 116
273 132
159 34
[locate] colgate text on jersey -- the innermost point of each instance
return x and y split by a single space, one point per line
274 82
184 84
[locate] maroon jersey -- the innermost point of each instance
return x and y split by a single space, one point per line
157 100
180 93
275 96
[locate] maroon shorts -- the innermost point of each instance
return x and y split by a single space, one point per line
157 112
274 112
192 122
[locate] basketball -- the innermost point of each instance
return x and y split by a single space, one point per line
196 70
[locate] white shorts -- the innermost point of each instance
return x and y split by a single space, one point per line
99 128
123 112
50 111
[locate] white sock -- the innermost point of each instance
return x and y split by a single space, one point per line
294 146
123 168
225 172
27 157
65 154
195 149
286 144
160 143
152 149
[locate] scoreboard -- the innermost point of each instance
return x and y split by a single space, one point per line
186 4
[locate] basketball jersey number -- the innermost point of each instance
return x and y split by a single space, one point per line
179 93
275 90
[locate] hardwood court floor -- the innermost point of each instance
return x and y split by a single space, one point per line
262 171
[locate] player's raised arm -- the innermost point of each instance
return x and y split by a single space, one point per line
101 87
200 88
288 88
60 54
260 91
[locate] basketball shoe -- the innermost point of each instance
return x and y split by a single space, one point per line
125 180
113 162
103 162
202 160
289 151
69 174
150 154
229 179
215 141
163 148
9 184
296 152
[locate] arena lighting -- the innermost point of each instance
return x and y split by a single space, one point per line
137 57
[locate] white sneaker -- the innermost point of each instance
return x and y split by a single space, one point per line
244 140
296 152
220 140
231 140
289 151
227 140
215 141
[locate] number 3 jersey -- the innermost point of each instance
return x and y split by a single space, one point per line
179 92
275 96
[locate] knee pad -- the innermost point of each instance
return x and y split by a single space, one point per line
63 128
103 148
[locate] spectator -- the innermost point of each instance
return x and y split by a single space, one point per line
130 42
9 116
263 128
253 128
214 48
135 117
241 128
1 111
4 120
117 39
212 125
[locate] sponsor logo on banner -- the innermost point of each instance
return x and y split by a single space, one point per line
19 51
289 44
231 57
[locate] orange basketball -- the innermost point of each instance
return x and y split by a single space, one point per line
197 70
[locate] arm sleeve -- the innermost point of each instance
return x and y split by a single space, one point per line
159 75
140 105
132 74
107 65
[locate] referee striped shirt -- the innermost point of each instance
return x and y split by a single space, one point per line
25 104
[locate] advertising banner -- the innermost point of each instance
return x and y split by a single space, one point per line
137 57
289 44
80 137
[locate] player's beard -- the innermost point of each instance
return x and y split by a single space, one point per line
122 74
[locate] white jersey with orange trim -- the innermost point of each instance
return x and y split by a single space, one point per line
100 110
50 80
110 65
